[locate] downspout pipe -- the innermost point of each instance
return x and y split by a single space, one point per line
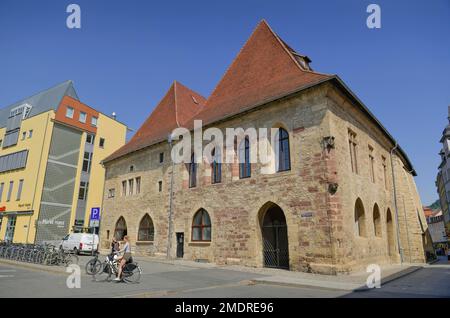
395 202
170 214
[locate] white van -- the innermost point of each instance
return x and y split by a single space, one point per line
80 242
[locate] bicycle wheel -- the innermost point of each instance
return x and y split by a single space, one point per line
47 258
35 257
93 266
104 274
40 258
72 258
131 273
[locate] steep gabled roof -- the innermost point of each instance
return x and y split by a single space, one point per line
42 101
265 69
174 110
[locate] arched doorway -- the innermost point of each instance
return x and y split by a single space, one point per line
390 233
275 238
121 229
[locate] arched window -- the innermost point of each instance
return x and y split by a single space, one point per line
376 220
121 229
390 233
282 152
201 226
244 159
360 219
216 166
146 230
192 172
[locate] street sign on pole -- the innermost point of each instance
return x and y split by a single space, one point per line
94 220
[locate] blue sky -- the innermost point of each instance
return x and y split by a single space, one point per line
127 53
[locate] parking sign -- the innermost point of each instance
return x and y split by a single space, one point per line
95 217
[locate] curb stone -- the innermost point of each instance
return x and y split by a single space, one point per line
49 269
308 284
333 285
393 277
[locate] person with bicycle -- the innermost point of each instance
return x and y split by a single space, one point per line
126 250
114 246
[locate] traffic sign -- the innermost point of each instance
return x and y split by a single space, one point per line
94 223
95 214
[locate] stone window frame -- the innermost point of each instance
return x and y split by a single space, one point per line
216 167
138 181
377 223
371 164
201 225
281 142
245 166
360 219
124 188
385 172
353 146
151 229
111 193
123 229
192 171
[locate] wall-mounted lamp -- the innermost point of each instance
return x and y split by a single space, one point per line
328 142
332 188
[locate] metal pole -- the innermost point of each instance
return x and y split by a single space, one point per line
395 204
101 209
407 231
170 214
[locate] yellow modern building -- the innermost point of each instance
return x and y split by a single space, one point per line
51 176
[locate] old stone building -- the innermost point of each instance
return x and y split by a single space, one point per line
340 192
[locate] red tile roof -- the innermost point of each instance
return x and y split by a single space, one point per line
174 110
428 212
265 69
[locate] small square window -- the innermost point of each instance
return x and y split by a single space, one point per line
24 135
90 139
30 133
94 121
102 143
69 112
160 186
161 157
82 118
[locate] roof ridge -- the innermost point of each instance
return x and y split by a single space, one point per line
151 113
280 41
175 84
234 60
40 92
284 45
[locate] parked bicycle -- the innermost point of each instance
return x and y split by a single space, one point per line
131 272
44 254
94 265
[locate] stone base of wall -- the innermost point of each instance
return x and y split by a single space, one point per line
144 249
148 249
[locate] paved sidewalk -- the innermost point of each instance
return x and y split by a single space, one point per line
348 282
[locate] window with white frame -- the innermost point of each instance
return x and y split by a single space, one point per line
82 118
69 112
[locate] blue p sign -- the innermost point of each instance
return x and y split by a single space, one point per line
95 214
